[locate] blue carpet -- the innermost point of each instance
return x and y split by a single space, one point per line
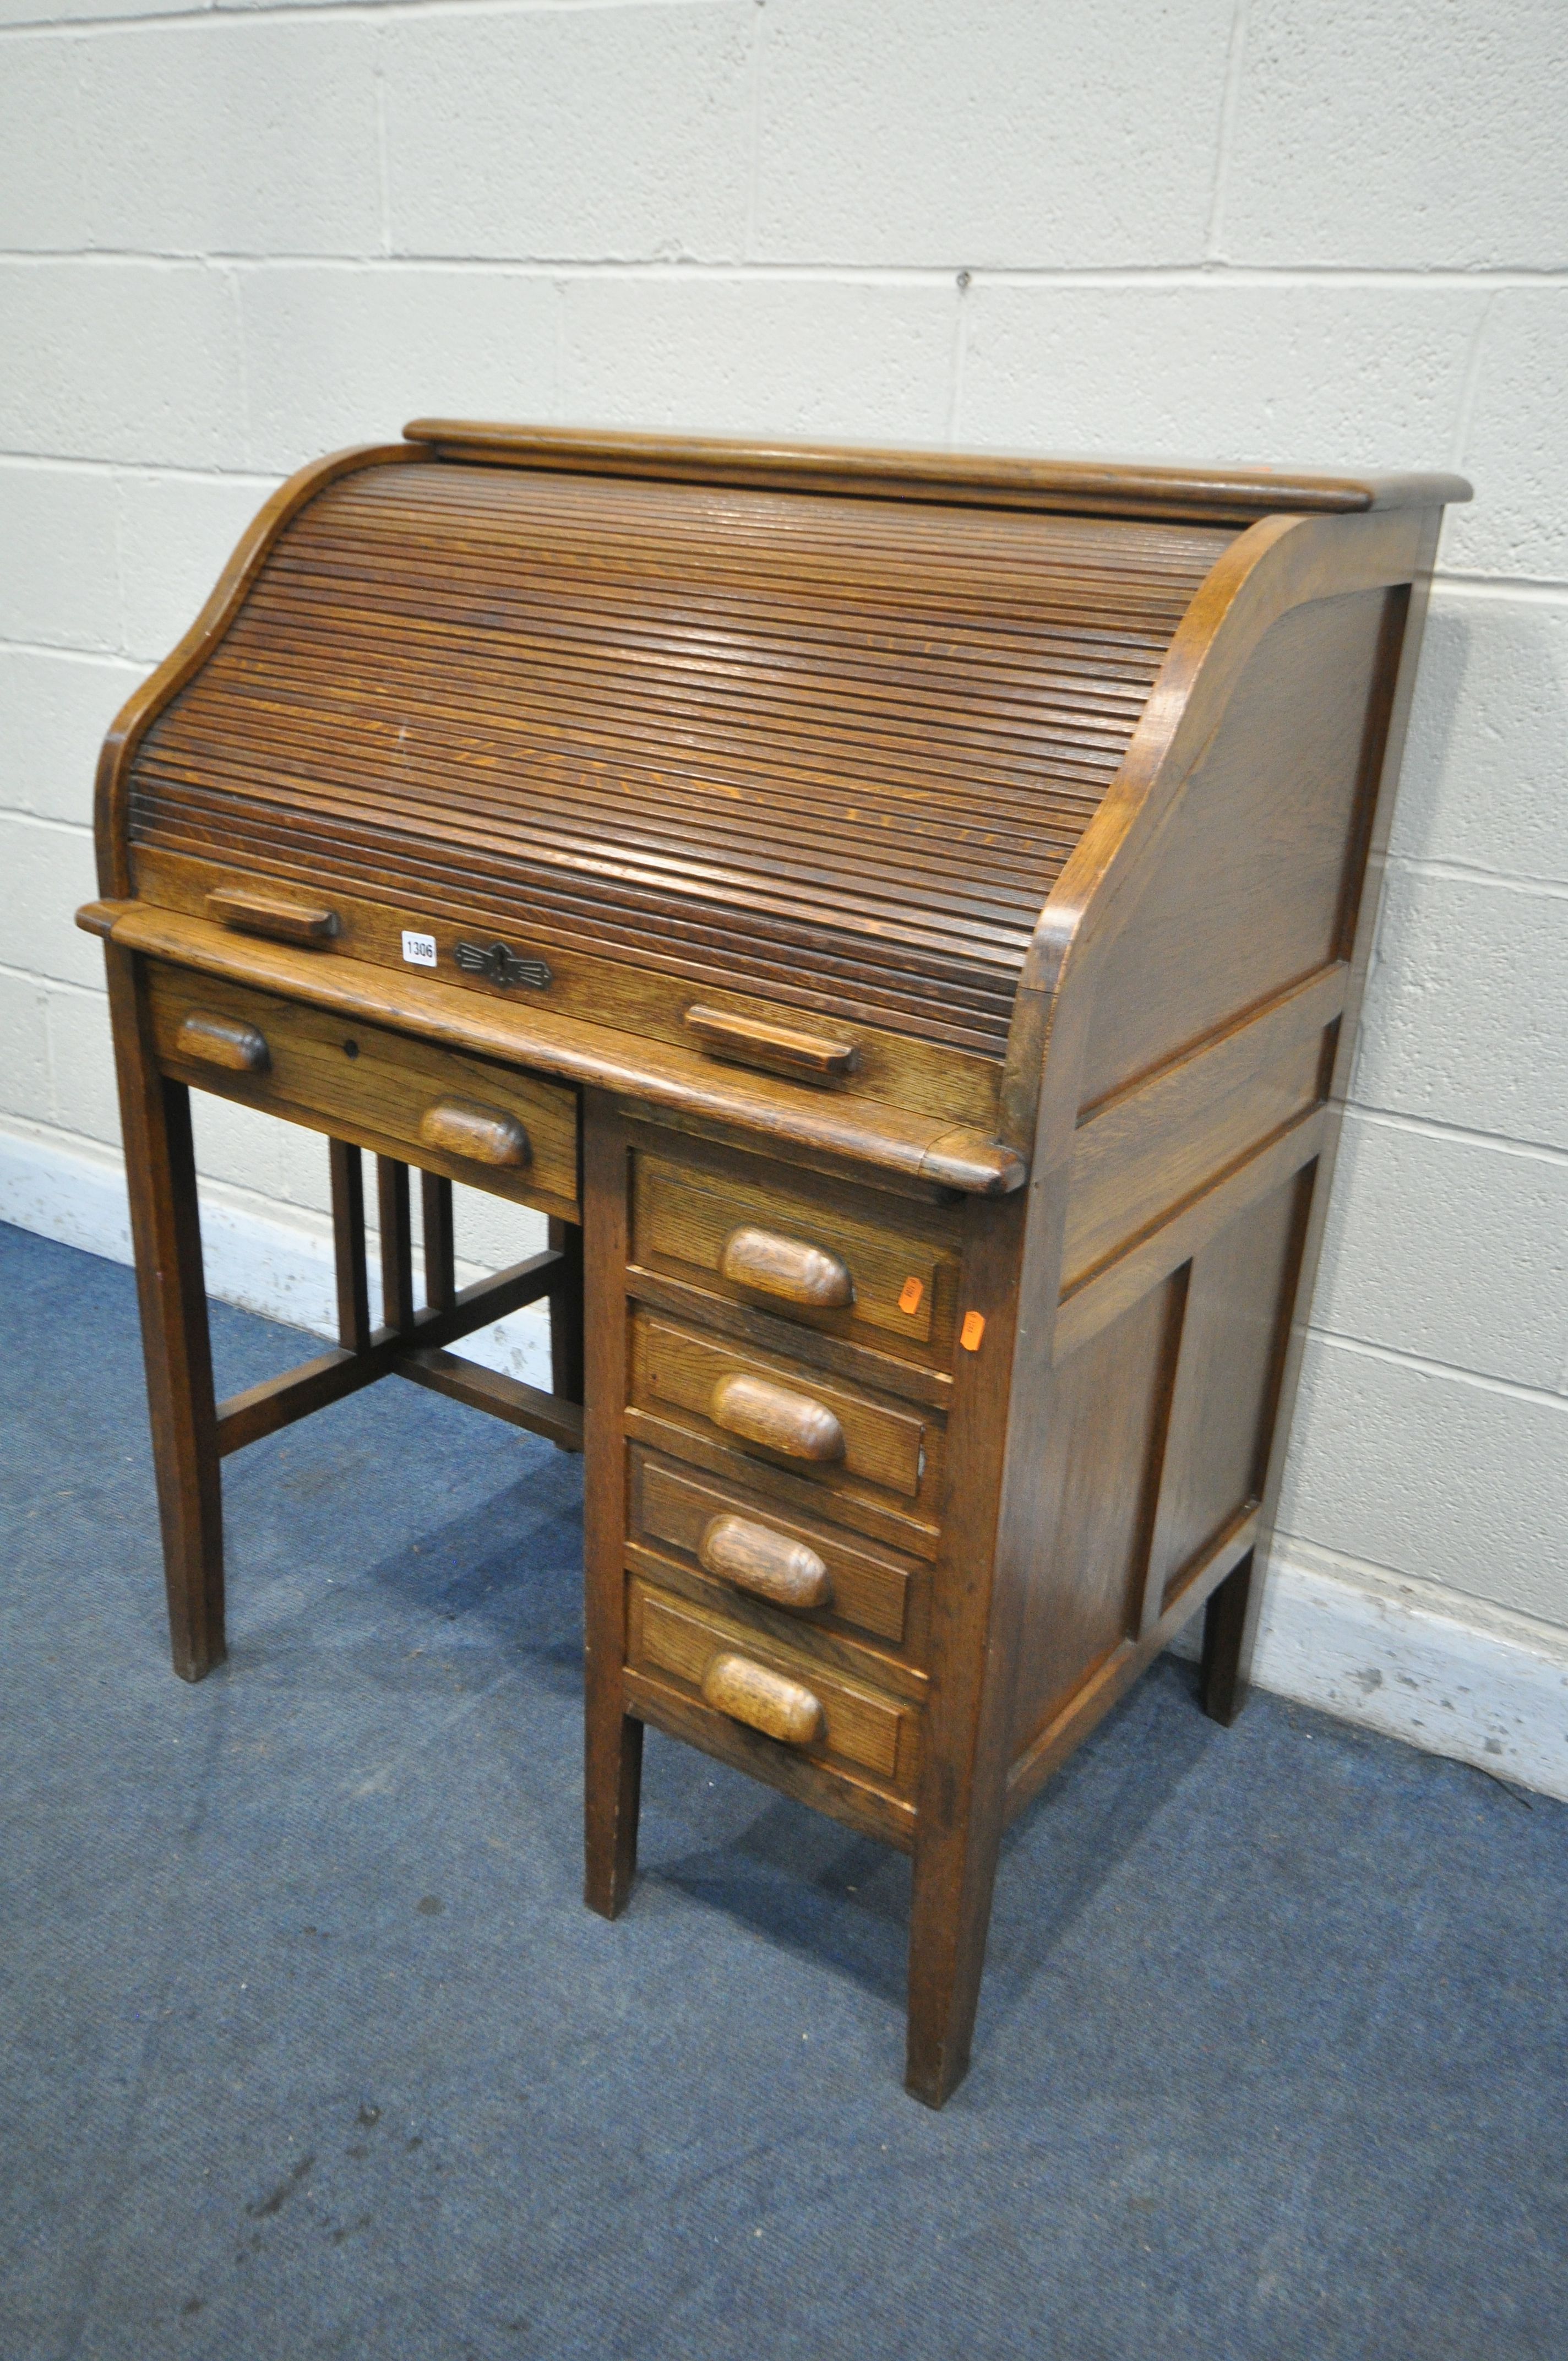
311 2048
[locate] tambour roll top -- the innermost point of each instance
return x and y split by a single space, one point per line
829 750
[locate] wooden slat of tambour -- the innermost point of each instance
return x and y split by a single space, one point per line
673 629
914 755
1075 566
830 749
1060 640
557 856
655 847
427 898
1047 575
921 780
1100 638
1072 594
1073 737
907 958
1071 656
1048 572
977 920
657 855
907 786
564 814
925 972
758 966
912 748
909 739
686 960
820 526
807 716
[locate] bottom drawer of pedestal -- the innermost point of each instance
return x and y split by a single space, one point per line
792 1699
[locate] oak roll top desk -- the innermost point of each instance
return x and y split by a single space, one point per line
902 920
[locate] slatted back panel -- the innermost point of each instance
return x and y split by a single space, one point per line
831 752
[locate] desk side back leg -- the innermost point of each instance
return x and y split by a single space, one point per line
1230 1629
160 1172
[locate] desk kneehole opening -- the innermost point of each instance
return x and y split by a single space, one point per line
763 1700
769 1564
483 1134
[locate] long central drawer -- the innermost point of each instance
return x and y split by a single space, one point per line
470 1119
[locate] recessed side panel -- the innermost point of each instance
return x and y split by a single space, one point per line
1239 1294
1254 885
1086 1587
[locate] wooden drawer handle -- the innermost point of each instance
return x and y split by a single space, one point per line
763 1700
271 914
769 1265
484 1135
751 1041
754 1558
772 1415
224 1041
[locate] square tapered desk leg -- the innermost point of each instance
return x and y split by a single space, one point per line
160 1173
1230 1628
955 1876
565 1299
613 1740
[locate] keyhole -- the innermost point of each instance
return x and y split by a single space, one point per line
351 1048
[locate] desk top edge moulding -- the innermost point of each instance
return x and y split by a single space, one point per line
900 916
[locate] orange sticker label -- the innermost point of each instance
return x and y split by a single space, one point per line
973 1331
910 1294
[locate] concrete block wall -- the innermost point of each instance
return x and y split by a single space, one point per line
232 238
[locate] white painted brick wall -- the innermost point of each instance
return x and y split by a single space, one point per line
231 239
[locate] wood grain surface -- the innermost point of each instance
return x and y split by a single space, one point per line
459 1115
674 1509
672 1638
835 1432
900 1271
810 848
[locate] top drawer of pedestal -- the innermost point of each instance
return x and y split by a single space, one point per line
881 1271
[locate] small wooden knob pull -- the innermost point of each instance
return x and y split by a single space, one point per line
284 920
484 1135
224 1041
754 1558
763 1700
780 1421
770 1265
